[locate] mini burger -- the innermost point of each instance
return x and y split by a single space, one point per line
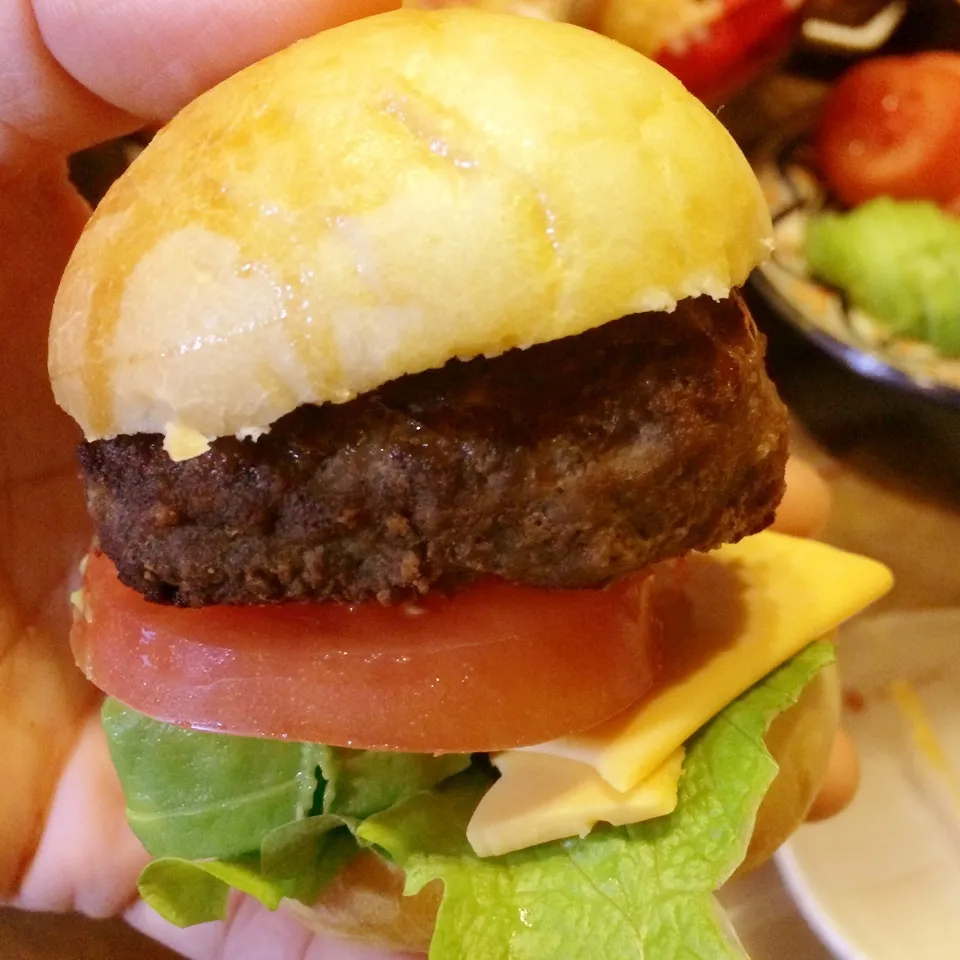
429 443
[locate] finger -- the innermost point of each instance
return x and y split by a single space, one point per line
43 697
88 859
806 502
42 107
250 933
76 72
83 68
841 781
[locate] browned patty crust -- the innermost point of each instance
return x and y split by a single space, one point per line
563 465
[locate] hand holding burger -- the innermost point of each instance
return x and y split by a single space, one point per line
49 846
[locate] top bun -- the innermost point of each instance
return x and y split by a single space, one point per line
385 196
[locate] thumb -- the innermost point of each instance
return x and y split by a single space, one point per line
79 71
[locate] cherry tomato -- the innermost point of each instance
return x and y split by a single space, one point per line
891 127
492 667
746 36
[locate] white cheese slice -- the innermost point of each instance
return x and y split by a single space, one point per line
750 606
541 797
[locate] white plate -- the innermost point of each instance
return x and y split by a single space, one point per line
882 880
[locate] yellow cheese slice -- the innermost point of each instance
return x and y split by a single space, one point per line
540 798
184 443
751 606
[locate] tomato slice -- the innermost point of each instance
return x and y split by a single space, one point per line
492 667
891 127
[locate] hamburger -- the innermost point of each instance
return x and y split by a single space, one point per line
429 445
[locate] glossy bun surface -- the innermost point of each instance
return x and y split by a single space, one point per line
385 196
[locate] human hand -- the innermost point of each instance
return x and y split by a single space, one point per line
76 74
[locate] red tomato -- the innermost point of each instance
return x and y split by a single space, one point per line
493 667
746 36
892 128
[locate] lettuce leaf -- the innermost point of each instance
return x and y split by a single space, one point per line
640 891
221 811
363 782
194 794
188 892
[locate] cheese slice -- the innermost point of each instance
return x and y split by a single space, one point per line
541 797
183 443
744 610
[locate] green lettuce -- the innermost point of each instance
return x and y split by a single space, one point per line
270 818
188 892
193 794
639 891
362 782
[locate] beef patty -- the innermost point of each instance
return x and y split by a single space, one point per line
563 465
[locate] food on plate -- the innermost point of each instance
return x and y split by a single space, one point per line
713 46
891 127
851 28
898 261
430 445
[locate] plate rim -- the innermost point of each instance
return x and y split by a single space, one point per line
792 130
862 362
824 922
818 917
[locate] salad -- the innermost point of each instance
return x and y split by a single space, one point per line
888 147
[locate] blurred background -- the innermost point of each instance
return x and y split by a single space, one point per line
849 111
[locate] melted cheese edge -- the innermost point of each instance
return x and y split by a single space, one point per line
787 592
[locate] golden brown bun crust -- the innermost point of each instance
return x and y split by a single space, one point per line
385 196
366 901
800 740
651 25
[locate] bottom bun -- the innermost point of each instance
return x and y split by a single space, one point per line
800 740
366 903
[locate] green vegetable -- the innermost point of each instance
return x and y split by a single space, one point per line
221 811
897 261
643 891
362 782
297 847
194 794
188 892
